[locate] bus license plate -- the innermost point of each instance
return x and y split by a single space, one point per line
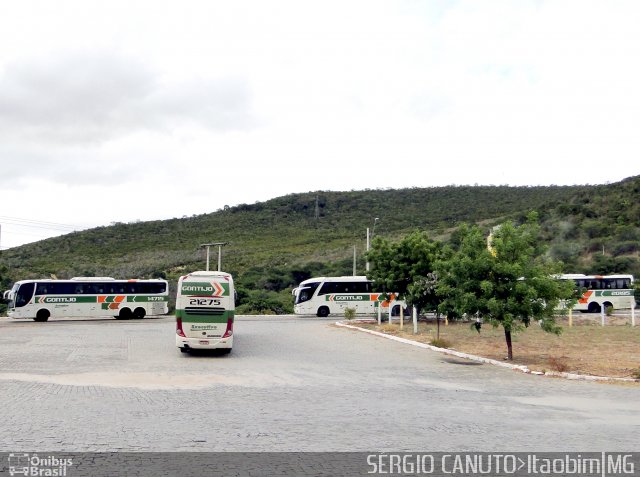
204 342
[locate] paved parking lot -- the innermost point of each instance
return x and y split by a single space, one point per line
291 384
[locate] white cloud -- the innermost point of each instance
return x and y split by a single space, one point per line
233 102
92 97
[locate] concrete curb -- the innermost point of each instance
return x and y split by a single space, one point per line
480 359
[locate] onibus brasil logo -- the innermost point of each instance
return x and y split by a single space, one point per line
36 465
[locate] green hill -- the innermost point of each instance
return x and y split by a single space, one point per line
277 243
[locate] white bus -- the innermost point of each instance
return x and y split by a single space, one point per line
205 311
602 291
88 297
323 296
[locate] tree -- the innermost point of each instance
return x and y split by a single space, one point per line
396 266
509 283
4 284
422 294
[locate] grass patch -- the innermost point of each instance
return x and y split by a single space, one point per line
585 348
440 343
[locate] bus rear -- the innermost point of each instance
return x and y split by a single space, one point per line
205 311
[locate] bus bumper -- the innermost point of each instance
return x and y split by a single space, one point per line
207 343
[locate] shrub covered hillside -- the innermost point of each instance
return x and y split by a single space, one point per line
273 245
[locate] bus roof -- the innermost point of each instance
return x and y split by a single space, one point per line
212 273
88 279
350 278
569 276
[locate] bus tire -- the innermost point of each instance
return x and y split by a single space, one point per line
594 307
138 313
42 315
125 314
323 312
184 350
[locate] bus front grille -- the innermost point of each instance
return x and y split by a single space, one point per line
216 311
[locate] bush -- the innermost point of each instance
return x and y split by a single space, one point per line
559 364
349 313
625 248
264 302
440 343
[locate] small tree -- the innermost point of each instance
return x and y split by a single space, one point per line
509 284
402 266
422 293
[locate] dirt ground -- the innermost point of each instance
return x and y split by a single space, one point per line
586 347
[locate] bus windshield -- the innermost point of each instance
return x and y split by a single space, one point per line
23 294
306 292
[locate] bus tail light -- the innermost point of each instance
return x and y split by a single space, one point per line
229 331
179 330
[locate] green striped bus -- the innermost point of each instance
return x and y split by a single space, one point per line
88 297
205 310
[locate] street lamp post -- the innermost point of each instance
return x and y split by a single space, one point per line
371 238
219 245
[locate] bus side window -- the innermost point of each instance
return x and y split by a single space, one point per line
327 287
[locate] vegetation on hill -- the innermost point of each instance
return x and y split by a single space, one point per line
273 245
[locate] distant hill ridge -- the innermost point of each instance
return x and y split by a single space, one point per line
319 229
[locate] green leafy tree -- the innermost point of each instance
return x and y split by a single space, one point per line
423 294
509 284
4 284
397 266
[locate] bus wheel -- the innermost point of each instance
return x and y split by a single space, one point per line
594 307
42 315
125 314
138 313
323 312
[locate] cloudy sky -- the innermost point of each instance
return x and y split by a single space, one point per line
138 109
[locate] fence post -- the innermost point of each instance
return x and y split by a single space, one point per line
602 314
401 318
633 311
415 320
379 313
570 317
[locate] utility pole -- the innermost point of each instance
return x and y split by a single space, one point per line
214 244
354 260
370 238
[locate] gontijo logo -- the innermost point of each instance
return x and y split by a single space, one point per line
43 299
205 289
349 298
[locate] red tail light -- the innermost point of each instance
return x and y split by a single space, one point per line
229 331
179 331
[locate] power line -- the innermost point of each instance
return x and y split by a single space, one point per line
19 222
14 225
